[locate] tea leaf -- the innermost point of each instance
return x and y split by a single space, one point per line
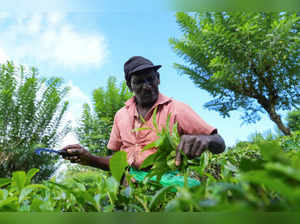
154 120
19 178
158 197
7 201
30 174
284 170
117 164
148 161
140 129
4 181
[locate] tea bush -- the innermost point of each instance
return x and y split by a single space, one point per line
262 176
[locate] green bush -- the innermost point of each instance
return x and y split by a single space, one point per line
96 122
31 115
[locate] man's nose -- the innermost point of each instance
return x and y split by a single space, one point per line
146 84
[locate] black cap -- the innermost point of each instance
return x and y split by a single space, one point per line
137 63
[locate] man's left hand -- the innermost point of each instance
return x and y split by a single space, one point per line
192 146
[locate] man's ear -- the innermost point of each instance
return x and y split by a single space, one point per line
158 77
128 85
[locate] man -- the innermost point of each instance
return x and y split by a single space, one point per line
142 78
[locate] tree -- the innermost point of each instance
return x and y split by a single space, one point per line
95 125
31 115
293 120
245 60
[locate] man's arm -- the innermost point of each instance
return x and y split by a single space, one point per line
194 145
77 154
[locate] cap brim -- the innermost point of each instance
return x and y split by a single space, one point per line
144 67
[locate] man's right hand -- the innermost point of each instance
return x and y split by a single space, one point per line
77 154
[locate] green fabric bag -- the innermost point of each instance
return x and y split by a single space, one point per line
169 179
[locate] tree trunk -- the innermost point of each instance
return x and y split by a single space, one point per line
277 119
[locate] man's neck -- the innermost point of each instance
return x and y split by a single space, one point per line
143 109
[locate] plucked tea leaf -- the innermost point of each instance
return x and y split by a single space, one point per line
154 144
149 161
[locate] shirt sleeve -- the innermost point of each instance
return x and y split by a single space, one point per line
190 123
115 142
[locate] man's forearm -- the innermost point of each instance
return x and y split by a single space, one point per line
100 162
216 144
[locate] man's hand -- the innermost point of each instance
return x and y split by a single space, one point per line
192 146
77 154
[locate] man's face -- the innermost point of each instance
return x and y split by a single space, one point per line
144 85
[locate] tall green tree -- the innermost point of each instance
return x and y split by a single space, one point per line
96 123
31 115
245 60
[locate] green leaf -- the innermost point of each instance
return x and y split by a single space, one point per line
25 191
4 181
278 185
284 170
117 164
248 165
108 208
168 124
30 174
203 162
3 194
19 178
159 196
154 119
154 144
149 161
36 204
140 129
7 201
28 189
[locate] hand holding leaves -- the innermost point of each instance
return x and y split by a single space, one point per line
192 146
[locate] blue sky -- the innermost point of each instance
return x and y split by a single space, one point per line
85 43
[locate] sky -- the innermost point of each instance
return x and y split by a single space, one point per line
85 42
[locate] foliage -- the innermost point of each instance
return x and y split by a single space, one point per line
293 120
95 126
31 115
245 60
253 176
163 160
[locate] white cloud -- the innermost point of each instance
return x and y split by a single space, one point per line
76 100
3 56
51 38
69 47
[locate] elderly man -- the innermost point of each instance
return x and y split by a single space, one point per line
142 78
